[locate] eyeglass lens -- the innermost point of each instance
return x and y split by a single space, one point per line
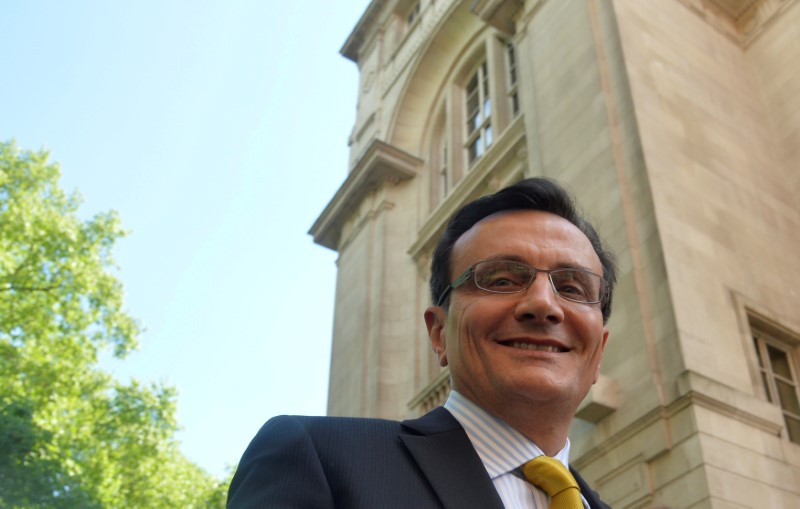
503 276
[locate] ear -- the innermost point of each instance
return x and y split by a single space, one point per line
602 347
435 319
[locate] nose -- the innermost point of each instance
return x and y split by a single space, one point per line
539 302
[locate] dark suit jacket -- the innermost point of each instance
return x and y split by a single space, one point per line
349 463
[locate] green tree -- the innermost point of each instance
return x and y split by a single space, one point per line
70 435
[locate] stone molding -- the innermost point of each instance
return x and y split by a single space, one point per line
510 144
501 14
724 400
740 20
380 163
432 395
358 36
410 47
696 391
602 399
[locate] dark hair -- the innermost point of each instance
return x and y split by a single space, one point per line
528 194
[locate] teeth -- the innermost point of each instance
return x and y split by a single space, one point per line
533 346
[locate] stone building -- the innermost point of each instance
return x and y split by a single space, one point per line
676 124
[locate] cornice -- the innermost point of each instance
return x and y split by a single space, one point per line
498 13
356 39
740 20
694 390
380 163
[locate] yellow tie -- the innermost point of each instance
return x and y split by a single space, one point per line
553 477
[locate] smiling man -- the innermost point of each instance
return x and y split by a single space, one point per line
522 289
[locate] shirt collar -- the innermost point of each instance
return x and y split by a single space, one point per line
501 448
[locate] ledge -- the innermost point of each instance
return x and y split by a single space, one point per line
381 162
742 21
498 13
725 400
603 398
357 37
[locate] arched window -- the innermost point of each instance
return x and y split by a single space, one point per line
479 101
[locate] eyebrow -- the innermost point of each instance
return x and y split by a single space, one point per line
517 258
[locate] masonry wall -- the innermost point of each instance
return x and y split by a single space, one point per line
726 206
371 358
582 130
682 146
773 60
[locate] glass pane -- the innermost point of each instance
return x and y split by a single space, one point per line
766 386
473 123
793 427
488 134
473 104
758 352
515 104
779 362
472 86
487 107
473 150
788 397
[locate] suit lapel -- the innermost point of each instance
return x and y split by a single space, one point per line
445 455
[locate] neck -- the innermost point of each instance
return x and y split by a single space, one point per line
544 424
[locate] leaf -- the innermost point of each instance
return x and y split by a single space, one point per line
70 435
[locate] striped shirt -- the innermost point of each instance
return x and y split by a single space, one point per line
503 450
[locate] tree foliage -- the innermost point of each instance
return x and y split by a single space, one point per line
71 436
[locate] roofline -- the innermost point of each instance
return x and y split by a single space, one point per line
354 41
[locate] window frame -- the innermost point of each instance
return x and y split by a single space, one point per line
478 132
770 379
487 58
512 73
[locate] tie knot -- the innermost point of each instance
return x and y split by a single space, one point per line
552 476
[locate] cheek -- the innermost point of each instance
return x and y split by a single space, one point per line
597 355
469 325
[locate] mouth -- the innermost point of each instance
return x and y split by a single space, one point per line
535 346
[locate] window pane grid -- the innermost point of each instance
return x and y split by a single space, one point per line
479 112
512 78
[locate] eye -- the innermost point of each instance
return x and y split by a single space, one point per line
570 288
501 277
499 282
575 284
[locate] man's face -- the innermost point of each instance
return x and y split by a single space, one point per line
532 347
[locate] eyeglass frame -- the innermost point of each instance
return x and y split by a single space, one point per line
470 272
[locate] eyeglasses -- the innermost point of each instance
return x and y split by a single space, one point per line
506 276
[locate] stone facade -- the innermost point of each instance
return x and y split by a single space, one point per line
676 124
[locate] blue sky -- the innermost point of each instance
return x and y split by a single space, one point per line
219 131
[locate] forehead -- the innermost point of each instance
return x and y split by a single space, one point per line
541 239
